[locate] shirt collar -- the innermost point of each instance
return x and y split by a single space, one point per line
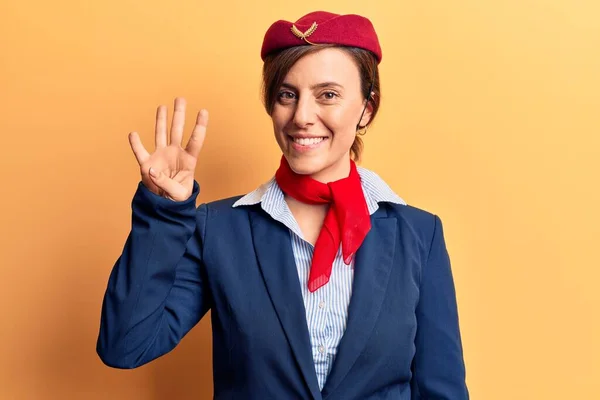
270 196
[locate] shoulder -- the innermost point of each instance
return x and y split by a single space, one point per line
220 216
412 215
414 219
223 204
422 226
238 206
224 207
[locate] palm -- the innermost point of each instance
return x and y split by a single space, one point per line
172 165
174 162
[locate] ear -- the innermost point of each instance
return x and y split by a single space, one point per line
366 117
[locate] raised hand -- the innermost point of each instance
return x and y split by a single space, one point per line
169 171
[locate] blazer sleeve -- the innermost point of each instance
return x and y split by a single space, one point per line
438 366
157 289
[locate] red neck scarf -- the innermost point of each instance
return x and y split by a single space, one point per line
347 220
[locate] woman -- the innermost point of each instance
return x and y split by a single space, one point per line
322 283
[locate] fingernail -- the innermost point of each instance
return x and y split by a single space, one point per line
152 172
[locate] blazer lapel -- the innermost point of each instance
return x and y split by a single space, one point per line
276 260
371 271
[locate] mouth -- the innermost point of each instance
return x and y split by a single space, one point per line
307 143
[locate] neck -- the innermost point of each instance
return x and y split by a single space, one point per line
337 171
310 217
298 206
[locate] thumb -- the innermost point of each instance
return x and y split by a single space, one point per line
171 188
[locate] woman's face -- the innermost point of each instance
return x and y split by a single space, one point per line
315 116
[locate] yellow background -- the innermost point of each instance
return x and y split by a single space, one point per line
490 118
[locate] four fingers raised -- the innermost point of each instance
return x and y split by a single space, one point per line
170 186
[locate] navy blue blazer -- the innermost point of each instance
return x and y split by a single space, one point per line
402 339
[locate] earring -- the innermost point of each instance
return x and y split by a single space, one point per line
362 131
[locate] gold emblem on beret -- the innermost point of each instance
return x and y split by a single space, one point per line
303 35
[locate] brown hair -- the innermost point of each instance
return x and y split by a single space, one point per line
277 65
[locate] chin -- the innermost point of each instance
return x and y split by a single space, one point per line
306 165
303 166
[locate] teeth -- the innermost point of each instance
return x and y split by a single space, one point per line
308 141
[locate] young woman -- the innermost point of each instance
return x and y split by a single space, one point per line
322 283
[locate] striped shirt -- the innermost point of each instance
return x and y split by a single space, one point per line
326 308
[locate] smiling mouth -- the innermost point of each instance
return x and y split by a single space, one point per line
308 141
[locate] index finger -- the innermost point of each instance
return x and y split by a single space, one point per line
140 152
198 134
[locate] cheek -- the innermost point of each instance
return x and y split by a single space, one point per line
340 121
280 117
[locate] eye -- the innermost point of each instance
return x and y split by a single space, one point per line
286 96
329 95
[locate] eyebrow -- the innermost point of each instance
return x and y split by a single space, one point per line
313 87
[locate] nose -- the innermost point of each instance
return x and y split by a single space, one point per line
305 112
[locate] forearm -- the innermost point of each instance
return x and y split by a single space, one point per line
134 326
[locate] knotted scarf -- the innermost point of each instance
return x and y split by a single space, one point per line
347 220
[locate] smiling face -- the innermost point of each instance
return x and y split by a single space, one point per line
316 111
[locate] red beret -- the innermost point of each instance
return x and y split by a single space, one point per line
322 27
